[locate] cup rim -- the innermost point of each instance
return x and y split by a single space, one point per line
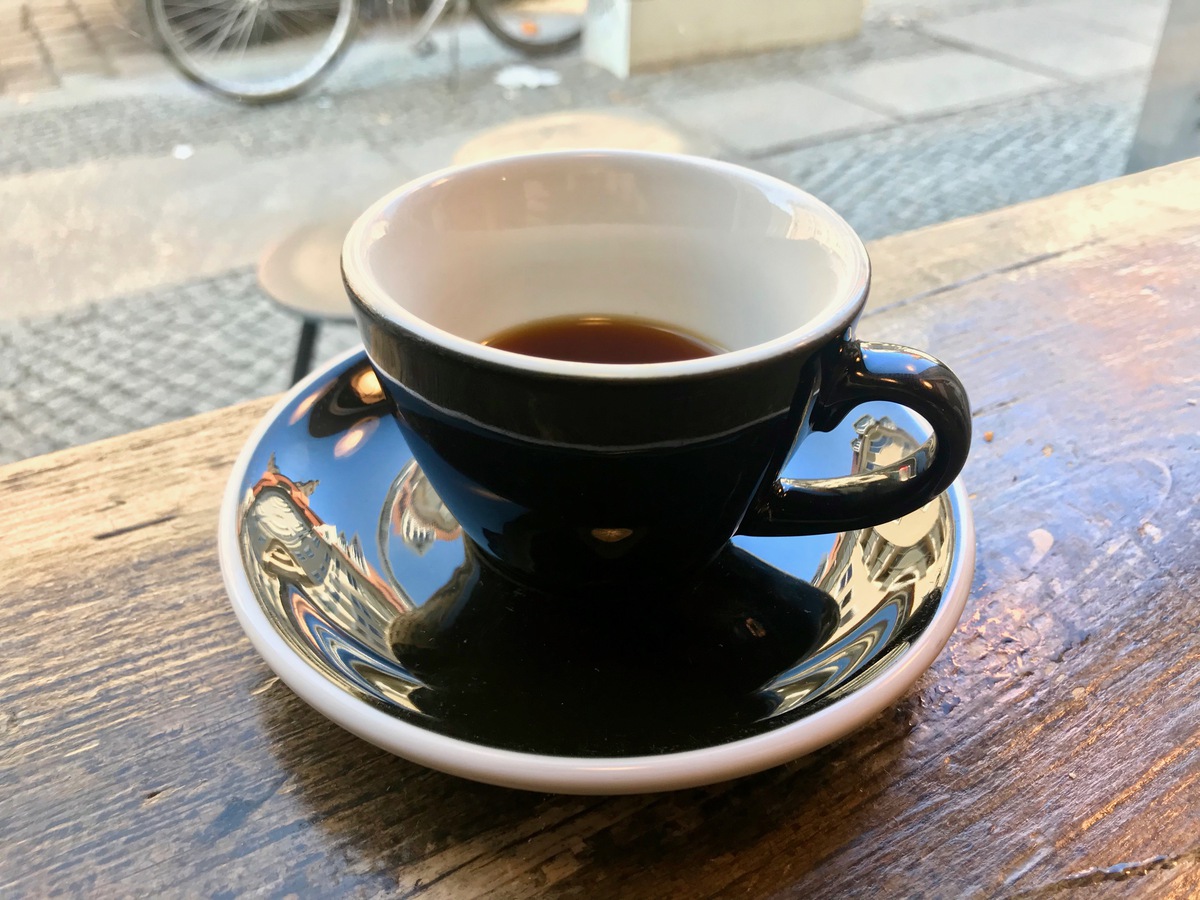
365 292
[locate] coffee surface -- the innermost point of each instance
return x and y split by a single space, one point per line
602 339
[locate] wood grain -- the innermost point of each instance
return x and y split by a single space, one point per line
1052 750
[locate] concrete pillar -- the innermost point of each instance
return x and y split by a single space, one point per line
1169 129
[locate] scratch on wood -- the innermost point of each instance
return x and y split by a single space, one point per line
86 748
265 686
117 532
1022 870
994 407
420 885
1118 872
1137 786
981 276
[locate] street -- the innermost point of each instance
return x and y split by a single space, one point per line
135 206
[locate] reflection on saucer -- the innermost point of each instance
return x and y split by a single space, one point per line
343 405
419 517
879 578
319 589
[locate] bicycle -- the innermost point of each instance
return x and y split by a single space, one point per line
262 51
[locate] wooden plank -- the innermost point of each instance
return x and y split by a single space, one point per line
907 267
144 748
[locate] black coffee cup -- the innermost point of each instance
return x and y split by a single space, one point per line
580 475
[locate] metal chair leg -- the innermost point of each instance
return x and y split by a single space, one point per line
304 350
460 8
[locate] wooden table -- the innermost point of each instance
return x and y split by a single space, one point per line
145 749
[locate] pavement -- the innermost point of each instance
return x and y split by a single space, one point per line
135 207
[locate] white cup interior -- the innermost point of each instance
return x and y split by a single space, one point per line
727 254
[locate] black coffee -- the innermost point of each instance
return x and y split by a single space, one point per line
602 339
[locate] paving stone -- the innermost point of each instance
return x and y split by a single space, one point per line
1056 44
20 70
918 10
72 38
24 57
54 19
1139 20
29 81
920 173
935 83
94 68
59 28
878 41
137 65
14 38
431 155
758 118
105 229
136 361
140 64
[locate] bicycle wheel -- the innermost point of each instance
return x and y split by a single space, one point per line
533 27
255 51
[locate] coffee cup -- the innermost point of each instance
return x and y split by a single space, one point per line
581 475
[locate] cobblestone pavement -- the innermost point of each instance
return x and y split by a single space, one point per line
918 174
129 294
143 359
44 42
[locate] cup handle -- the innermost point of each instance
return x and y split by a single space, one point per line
860 372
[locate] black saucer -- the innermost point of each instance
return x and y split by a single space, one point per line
348 575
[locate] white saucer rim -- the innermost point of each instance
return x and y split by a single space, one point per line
578 775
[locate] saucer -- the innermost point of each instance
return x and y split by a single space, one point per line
353 582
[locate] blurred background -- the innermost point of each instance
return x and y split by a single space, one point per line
168 249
